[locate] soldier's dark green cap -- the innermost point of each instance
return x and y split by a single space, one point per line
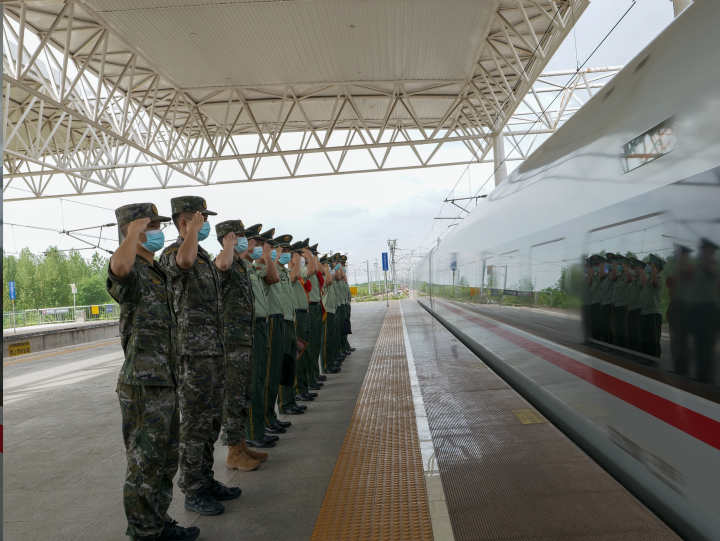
129 213
314 249
229 226
297 246
253 231
682 249
190 203
282 241
324 259
707 243
656 261
267 236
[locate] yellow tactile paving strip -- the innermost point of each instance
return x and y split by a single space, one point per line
377 490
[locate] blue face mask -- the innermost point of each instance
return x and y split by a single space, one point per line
155 240
257 252
242 244
204 231
284 259
273 254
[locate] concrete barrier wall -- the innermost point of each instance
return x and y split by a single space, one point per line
31 341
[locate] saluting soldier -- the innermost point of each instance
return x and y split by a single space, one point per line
595 296
328 352
650 315
198 308
620 300
680 284
347 328
147 381
340 300
634 304
238 317
268 271
587 299
300 289
316 315
286 391
256 436
704 314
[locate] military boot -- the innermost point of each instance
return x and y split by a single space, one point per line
203 503
239 459
173 532
257 455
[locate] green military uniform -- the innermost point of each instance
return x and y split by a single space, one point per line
238 317
679 282
198 309
256 415
302 325
705 310
347 300
316 323
146 386
595 307
620 302
286 395
277 340
329 347
650 316
634 305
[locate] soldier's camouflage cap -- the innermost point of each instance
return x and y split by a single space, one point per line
190 203
253 231
129 213
282 241
267 236
313 248
229 226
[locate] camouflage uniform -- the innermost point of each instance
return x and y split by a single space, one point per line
238 316
198 309
146 387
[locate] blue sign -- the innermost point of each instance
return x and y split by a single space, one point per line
386 267
11 290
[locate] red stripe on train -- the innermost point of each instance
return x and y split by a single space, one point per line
691 422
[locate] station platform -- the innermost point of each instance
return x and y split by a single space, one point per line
416 439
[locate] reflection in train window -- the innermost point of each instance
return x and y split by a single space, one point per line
656 142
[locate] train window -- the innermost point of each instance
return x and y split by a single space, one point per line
656 142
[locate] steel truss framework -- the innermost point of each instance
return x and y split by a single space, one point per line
84 112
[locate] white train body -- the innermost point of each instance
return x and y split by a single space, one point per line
636 170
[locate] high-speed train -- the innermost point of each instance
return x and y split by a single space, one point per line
631 180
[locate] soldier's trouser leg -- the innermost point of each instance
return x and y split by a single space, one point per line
316 326
150 425
620 323
256 414
327 360
634 330
302 367
201 394
705 332
286 396
345 342
677 320
595 320
276 349
236 402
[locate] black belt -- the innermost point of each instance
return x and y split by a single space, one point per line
314 303
301 310
276 316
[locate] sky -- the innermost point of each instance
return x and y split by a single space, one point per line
355 214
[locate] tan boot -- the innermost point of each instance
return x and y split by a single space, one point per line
237 459
257 455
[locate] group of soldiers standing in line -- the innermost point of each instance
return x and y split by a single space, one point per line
211 346
622 305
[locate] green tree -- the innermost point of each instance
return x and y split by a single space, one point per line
91 290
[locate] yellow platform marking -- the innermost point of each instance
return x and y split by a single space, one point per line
377 490
54 352
528 416
18 348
